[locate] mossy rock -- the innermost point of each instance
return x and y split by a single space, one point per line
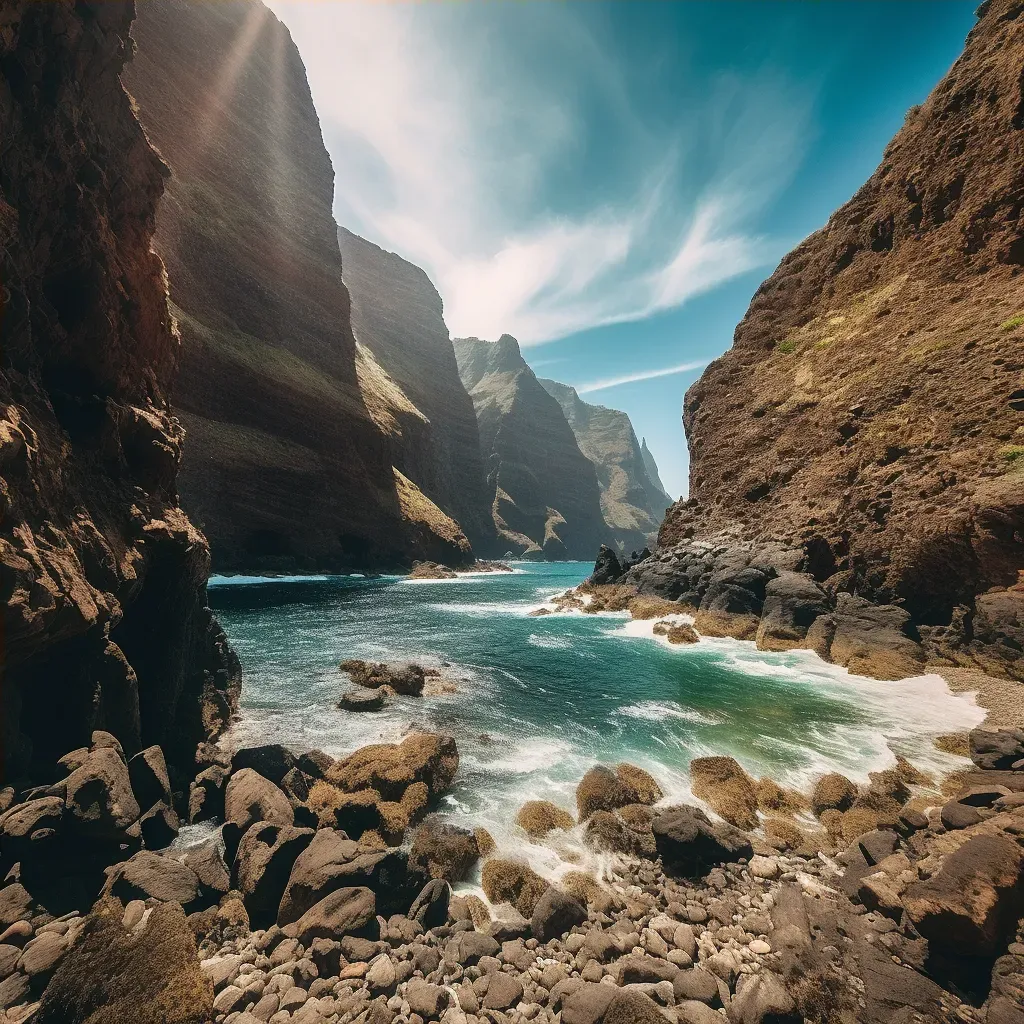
539 817
509 881
726 788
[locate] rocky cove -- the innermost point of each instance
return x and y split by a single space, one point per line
768 767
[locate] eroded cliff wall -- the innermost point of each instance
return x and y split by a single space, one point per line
397 314
105 619
544 491
285 467
870 414
631 503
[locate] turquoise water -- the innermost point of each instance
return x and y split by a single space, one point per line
538 700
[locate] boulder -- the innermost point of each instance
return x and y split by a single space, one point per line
726 788
159 827
149 875
603 789
833 792
99 801
611 830
689 843
206 794
539 817
955 815
40 817
971 905
731 605
391 768
555 914
263 864
430 908
16 904
874 640
467 948
763 999
641 785
440 850
333 861
508 881
272 761
792 601
348 911
149 779
251 798
405 679
996 749
295 786
314 763
500 991
363 700
112 977
425 999
607 568
206 861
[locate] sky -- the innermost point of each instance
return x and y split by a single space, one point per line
610 182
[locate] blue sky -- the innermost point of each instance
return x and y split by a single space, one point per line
610 182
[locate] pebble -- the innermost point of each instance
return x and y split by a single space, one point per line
760 947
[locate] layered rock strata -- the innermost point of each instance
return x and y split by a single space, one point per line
397 314
105 615
288 463
633 502
868 421
545 496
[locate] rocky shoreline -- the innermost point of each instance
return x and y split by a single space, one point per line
325 895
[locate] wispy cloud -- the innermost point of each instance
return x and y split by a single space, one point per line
478 141
631 378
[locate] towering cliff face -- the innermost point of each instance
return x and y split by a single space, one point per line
870 413
652 473
285 466
105 619
631 503
397 314
544 490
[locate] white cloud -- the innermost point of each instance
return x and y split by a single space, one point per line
462 137
630 378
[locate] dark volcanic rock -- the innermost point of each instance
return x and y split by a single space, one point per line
272 761
555 914
996 749
607 568
286 464
105 618
632 504
689 842
867 413
546 500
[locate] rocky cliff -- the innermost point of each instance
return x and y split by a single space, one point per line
546 499
652 472
286 465
104 578
868 421
397 314
632 504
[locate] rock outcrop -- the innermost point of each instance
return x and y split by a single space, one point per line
286 464
104 578
397 314
632 501
545 497
869 418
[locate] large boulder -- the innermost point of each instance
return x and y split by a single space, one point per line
99 798
996 749
206 794
971 905
348 911
689 843
150 781
731 605
391 768
539 817
405 679
792 601
263 864
726 788
25 824
272 761
149 875
508 881
332 861
604 789
111 976
440 850
555 914
874 640
251 797
607 568
833 792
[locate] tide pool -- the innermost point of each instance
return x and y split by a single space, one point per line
538 700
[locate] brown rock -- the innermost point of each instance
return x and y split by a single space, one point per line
507 881
389 769
150 875
100 801
440 850
250 798
726 788
833 792
111 976
539 817
263 865
346 911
